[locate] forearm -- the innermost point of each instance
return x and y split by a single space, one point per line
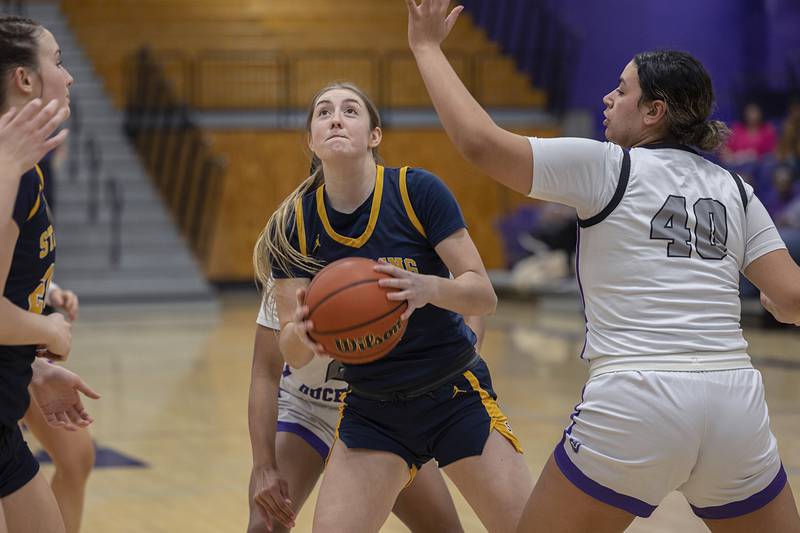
294 352
20 327
463 118
262 416
468 294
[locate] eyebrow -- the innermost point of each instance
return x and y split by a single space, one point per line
346 100
58 52
621 81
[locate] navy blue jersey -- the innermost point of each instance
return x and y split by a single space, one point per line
28 280
409 212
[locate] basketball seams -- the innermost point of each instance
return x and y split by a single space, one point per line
337 291
356 326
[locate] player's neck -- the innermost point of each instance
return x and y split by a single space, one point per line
349 183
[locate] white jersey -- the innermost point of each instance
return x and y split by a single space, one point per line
318 381
663 236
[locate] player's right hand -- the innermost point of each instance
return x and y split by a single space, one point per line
302 325
271 497
59 341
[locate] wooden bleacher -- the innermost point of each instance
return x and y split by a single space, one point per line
308 31
266 166
248 54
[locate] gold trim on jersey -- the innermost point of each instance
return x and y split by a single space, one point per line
301 227
353 242
499 421
412 216
38 203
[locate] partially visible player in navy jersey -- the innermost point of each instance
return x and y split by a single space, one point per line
30 65
431 397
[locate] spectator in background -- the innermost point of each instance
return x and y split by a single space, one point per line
751 139
789 146
783 190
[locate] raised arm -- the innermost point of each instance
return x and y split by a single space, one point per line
503 155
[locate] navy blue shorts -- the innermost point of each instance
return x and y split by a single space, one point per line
449 423
17 464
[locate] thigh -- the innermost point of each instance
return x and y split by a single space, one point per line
358 490
496 483
300 465
33 508
66 448
426 505
556 504
780 514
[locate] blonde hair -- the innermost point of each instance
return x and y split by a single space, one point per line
273 247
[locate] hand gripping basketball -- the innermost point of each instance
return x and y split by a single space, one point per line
351 315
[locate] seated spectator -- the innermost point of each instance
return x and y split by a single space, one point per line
751 139
788 151
783 191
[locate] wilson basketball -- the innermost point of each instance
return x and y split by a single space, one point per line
353 319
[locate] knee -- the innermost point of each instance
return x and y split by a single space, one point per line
77 463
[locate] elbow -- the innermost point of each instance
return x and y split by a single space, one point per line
473 147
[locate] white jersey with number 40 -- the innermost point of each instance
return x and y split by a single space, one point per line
664 234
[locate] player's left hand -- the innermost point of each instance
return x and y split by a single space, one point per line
55 390
64 300
417 289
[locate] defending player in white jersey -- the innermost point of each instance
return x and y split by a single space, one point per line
293 417
672 401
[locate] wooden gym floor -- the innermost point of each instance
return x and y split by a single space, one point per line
175 379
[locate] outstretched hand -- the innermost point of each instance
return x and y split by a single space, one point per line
25 135
55 390
429 24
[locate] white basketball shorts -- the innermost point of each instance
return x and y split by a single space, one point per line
314 423
638 435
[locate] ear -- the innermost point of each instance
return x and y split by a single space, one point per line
22 80
655 111
375 137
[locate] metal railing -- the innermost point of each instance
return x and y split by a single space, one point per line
175 151
285 81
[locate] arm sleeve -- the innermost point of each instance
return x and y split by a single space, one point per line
434 204
580 173
761 236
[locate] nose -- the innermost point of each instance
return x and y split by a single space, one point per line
69 78
607 100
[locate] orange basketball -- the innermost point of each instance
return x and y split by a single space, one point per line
353 319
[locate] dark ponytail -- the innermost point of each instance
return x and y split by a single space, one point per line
683 84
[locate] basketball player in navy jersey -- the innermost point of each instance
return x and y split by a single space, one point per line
31 69
401 411
672 401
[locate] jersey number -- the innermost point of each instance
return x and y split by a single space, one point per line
37 297
710 231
